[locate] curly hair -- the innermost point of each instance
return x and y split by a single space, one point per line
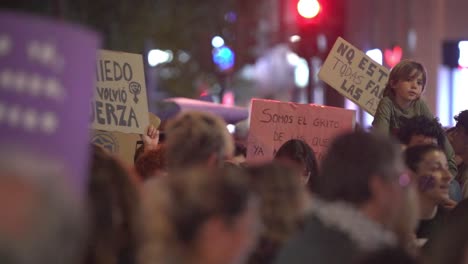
462 120
421 125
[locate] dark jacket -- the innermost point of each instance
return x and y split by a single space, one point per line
318 244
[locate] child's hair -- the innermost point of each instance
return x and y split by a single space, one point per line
404 70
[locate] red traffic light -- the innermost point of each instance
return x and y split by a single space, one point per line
308 9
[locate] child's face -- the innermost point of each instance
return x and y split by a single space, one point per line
409 89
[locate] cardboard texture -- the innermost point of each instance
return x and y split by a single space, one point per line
354 75
272 123
120 102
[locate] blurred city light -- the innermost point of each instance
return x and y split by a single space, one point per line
231 128
376 55
183 56
224 58
308 8
301 73
157 56
292 58
463 58
217 42
294 38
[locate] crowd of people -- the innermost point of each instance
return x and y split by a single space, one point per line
395 194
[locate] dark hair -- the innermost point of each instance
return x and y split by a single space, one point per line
300 152
351 161
462 120
240 149
415 154
151 162
404 70
114 204
389 256
421 125
450 242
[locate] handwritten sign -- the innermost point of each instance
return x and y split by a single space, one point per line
46 81
354 75
123 145
272 123
120 102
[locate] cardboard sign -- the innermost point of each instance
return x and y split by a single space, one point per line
272 123
121 144
120 102
46 81
354 75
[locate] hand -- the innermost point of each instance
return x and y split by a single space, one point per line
151 139
458 160
449 203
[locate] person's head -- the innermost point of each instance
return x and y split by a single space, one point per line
300 154
152 163
406 81
197 139
282 206
210 216
41 221
282 196
421 130
364 170
113 204
459 136
429 168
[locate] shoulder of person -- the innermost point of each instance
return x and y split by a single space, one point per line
386 102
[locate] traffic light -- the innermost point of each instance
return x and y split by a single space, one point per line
318 24
308 11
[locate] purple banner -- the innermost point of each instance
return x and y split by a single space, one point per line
47 73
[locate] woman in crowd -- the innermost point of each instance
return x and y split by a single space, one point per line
199 216
300 154
113 209
429 168
282 203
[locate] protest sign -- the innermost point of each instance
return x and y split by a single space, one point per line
121 144
120 102
46 80
354 75
272 123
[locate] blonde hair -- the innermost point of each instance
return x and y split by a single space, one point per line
404 70
176 208
282 197
193 137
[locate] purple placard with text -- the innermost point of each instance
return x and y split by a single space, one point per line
47 73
